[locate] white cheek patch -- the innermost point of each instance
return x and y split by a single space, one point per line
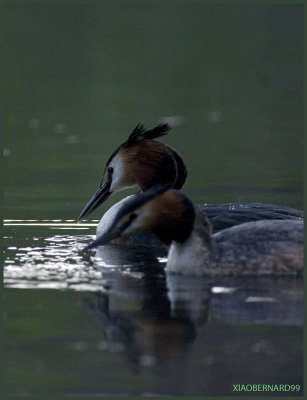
120 178
142 222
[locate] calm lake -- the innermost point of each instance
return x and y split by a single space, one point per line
78 78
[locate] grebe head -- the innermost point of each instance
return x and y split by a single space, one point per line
166 212
140 161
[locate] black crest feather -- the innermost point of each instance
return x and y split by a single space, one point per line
158 131
140 132
137 132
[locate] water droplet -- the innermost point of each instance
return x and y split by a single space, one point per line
59 128
6 152
148 361
215 116
173 120
72 139
78 346
101 346
34 123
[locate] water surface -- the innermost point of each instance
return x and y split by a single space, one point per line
78 79
115 310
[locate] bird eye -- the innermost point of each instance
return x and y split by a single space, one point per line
132 217
110 171
106 176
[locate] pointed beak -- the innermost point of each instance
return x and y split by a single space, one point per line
111 234
99 197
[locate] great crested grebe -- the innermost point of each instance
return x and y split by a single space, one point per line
258 247
143 162
139 161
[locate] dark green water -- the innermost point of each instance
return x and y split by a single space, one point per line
78 79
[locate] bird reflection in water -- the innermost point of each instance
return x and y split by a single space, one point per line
153 319
152 325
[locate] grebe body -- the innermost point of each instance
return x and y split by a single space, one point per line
258 247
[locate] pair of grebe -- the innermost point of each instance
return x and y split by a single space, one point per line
205 239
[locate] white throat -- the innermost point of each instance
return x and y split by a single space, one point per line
191 257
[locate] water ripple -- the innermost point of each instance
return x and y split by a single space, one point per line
53 263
